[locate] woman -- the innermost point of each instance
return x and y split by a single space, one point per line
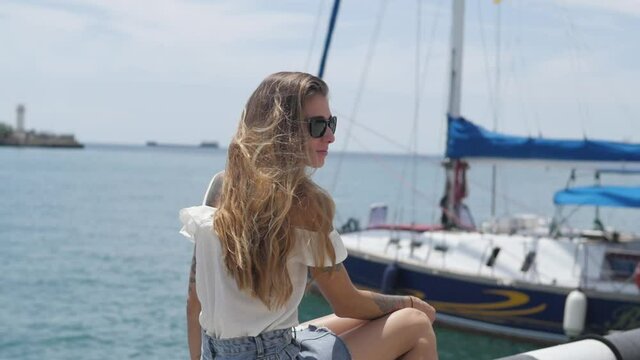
270 226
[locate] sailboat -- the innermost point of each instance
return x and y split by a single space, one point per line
512 278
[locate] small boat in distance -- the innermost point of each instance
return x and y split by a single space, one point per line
210 144
204 144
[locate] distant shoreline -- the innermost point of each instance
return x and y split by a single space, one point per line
32 138
51 146
179 146
39 140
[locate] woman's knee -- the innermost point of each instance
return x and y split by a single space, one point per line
419 324
412 317
416 322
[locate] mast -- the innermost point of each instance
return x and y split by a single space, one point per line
327 41
457 37
452 166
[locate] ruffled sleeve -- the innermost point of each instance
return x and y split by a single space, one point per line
307 241
194 218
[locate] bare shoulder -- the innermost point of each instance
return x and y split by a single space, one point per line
212 196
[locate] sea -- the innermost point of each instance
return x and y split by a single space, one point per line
92 265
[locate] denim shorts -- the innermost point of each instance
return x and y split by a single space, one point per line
309 344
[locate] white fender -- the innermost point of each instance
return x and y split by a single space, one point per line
575 312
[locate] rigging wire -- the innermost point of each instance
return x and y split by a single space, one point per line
363 76
512 78
494 91
361 85
399 210
399 177
402 180
496 109
581 47
497 87
418 85
513 200
399 145
416 107
519 64
629 117
485 52
314 35
575 58
421 71
437 175
428 54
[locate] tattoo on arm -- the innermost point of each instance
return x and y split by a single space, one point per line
192 275
330 269
388 303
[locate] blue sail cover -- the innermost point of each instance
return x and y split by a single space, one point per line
467 140
618 196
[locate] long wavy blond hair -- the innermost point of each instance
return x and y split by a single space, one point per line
267 192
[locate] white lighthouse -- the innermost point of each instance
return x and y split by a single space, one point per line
20 118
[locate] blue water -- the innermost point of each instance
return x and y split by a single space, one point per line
92 265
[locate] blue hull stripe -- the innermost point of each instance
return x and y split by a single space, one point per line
510 306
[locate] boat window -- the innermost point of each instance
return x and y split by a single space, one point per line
441 247
492 258
620 265
528 261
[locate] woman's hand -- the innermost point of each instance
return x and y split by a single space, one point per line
423 306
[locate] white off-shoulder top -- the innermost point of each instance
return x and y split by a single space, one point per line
228 312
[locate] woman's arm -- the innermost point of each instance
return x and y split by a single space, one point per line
193 313
348 301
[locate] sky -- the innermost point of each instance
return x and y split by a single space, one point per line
127 72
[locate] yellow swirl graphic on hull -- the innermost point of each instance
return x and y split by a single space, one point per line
499 308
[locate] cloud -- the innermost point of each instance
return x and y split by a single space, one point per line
620 7
131 71
171 21
163 39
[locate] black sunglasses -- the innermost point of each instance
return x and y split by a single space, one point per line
318 125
